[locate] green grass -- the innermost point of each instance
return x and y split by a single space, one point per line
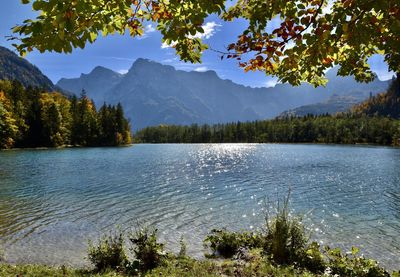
179 267
47 271
257 266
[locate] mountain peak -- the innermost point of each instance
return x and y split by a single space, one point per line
143 61
142 65
210 73
102 70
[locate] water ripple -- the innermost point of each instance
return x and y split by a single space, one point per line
52 201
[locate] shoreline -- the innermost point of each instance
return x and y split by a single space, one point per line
274 143
253 263
65 147
202 143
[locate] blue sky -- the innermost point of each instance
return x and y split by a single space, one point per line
119 52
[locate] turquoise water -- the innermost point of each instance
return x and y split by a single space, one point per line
53 201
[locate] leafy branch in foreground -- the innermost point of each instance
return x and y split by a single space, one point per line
311 36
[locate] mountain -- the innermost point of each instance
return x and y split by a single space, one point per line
98 83
152 94
383 104
13 67
335 104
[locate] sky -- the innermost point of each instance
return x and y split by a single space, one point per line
119 52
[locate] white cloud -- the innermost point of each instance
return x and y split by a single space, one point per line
210 28
189 66
164 45
149 29
185 66
180 65
146 31
384 75
171 60
120 59
328 7
271 83
123 71
201 69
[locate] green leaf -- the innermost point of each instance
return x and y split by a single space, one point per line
354 250
93 36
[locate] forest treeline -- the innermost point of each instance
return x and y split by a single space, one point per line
341 129
30 117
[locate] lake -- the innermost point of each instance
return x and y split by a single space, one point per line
53 201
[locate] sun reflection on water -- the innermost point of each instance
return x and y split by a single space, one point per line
348 194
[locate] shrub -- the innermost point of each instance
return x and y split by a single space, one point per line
148 252
285 236
353 265
108 253
183 248
312 258
226 244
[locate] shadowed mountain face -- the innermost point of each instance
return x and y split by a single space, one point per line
153 94
12 67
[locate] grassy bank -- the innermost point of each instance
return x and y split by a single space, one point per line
259 266
252 263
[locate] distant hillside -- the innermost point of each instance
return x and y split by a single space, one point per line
153 94
335 104
12 67
384 104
